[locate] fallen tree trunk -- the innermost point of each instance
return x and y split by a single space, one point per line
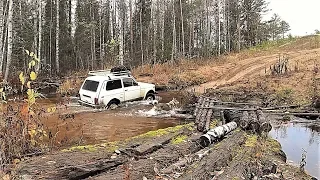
244 120
265 126
219 156
153 145
253 122
217 133
86 170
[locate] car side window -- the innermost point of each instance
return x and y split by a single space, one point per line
115 84
127 82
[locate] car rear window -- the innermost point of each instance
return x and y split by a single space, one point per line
115 84
90 85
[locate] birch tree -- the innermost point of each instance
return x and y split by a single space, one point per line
57 37
1 34
10 41
182 28
174 36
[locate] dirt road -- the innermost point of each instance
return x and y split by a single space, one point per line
252 69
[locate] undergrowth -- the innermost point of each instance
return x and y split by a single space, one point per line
21 131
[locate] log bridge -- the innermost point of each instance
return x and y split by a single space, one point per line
252 119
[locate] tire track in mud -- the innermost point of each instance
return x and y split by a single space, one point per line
253 67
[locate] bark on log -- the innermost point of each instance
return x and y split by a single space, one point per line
201 121
86 170
219 157
217 133
265 126
198 111
231 115
244 120
208 118
253 124
154 144
241 167
222 119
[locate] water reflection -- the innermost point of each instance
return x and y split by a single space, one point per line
294 137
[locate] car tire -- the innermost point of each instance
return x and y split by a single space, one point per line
112 105
150 97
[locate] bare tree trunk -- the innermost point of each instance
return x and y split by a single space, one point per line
191 31
219 30
131 29
9 50
101 34
207 26
57 37
121 27
39 32
1 34
141 37
162 28
50 36
35 29
111 19
174 38
182 29
228 27
224 26
74 4
155 31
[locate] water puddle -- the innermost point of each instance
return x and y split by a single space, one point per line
296 137
91 126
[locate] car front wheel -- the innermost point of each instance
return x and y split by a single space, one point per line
112 105
150 97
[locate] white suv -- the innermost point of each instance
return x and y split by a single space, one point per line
108 89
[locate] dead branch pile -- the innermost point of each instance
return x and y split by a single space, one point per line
281 67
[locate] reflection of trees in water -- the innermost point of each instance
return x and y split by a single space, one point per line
313 132
280 130
283 132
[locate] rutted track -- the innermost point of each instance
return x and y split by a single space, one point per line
253 68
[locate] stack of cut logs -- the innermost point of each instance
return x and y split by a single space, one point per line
247 119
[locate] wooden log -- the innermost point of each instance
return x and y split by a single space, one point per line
200 103
183 162
154 144
265 126
217 133
254 124
200 125
219 156
231 115
222 119
198 111
306 115
182 116
208 118
86 170
244 120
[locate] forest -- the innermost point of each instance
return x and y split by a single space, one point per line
72 35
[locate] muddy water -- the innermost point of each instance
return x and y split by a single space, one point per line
296 137
88 127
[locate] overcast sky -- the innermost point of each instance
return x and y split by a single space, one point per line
302 15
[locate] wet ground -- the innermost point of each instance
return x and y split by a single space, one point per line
298 136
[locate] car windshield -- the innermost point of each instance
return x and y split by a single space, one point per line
90 85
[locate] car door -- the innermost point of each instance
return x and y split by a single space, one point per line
113 89
89 91
131 89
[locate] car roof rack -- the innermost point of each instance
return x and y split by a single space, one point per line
109 73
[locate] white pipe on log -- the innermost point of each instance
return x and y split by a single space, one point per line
216 133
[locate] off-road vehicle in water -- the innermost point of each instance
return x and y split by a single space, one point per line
109 88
